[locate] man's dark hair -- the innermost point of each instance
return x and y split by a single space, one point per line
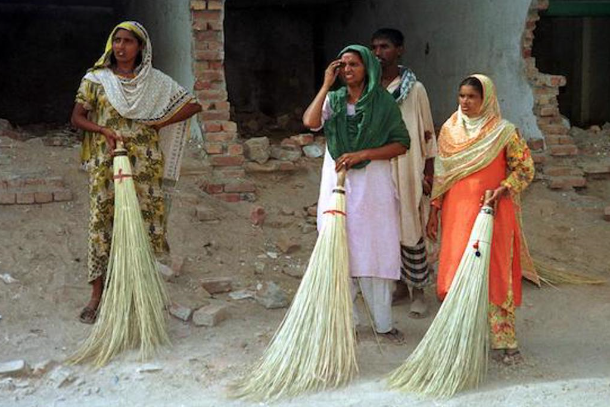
390 34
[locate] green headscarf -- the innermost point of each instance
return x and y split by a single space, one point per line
377 121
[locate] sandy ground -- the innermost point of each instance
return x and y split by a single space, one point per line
563 331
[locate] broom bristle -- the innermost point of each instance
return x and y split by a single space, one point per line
553 276
452 356
132 311
314 347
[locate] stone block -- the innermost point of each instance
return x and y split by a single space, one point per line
180 311
269 166
286 153
257 149
216 285
271 296
25 198
288 245
43 197
235 149
240 186
210 315
563 150
535 144
230 197
220 137
14 368
205 214
226 160
313 151
258 215
607 213
211 187
7 198
62 195
303 139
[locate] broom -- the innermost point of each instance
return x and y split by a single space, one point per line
132 310
452 356
314 347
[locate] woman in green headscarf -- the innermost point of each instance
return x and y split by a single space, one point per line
364 131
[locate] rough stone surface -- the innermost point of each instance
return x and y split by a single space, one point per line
257 149
210 315
313 151
303 139
180 311
286 153
61 377
205 214
288 245
271 296
40 369
14 368
216 285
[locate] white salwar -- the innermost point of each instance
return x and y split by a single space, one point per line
373 231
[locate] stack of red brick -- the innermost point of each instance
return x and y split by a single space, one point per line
558 142
225 153
28 190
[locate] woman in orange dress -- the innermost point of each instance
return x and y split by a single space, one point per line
480 151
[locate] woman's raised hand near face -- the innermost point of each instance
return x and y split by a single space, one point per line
331 73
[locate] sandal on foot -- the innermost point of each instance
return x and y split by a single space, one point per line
418 309
512 357
394 336
88 315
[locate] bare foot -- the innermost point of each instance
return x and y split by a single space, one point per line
394 336
418 309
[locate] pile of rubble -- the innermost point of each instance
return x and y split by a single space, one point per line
263 156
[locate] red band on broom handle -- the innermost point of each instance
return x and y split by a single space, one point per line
121 176
335 212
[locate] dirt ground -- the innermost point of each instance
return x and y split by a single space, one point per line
564 332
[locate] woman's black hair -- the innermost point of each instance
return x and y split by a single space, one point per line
474 82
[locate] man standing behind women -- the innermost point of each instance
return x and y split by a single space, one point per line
414 170
122 97
364 130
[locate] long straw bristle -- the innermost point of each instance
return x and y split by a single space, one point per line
553 276
132 311
314 347
452 356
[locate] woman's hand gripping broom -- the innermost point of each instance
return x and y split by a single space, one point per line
132 312
452 356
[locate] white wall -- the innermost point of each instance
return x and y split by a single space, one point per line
462 37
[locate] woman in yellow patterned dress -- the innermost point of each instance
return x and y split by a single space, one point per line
124 98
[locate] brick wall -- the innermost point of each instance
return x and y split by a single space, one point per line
550 156
222 146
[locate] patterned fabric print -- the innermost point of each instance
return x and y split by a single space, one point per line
414 270
520 164
502 324
142 144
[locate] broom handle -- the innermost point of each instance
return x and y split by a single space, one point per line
341 175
